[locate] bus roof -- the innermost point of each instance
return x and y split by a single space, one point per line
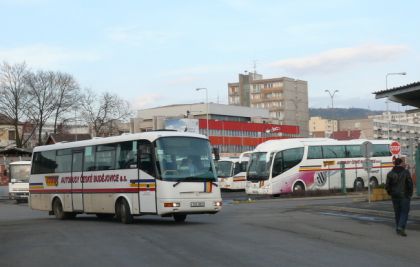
21 162
282 144
233 159
151 136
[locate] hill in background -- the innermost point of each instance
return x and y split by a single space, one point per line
342 113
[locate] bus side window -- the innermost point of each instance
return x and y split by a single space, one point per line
291 158
314 152
244 165
146 162
127 155
278 164
381 150
237 168
89 159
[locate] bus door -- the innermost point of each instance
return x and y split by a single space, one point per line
77 181
146 175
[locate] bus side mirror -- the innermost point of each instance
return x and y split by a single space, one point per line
216 153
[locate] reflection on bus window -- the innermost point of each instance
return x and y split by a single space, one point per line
184 158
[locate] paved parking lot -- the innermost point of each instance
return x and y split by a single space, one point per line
276 232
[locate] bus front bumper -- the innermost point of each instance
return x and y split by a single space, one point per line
255 189
18 195
168 207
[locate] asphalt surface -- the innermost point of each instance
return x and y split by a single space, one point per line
273 231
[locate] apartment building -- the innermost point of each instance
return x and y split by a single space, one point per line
285 98
319 125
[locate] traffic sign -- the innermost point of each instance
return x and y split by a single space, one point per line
366 149
367 165
395 148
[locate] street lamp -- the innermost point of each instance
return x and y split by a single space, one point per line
207 109
387 100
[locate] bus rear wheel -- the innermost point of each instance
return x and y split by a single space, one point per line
358 185
180 218
373 182
123 212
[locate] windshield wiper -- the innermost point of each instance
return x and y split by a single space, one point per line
194 179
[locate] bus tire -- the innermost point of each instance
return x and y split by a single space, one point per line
358 185
58 210
180 218
123 212
298 187
373 182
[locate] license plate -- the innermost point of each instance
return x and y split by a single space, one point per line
197 204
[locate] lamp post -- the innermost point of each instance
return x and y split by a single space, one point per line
387 100
207 109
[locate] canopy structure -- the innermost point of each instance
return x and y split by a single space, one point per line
406 95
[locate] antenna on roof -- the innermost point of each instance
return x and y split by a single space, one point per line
255 68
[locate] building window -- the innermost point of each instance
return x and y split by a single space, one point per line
12 135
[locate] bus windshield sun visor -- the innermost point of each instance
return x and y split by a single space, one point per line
194 179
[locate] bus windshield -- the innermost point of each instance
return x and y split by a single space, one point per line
20 172
259 166
184 159
224 169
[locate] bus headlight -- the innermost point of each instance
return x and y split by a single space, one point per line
218 203
172 204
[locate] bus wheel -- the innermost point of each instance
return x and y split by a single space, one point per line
123 212
58 210
358 185
373 182
180 218
298 188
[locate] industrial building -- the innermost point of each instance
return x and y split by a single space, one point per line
233 129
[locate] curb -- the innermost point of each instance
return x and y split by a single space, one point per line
381 213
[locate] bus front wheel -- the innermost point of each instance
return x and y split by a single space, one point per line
123 212
180 218
58 210
298 188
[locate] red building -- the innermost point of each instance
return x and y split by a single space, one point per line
237 137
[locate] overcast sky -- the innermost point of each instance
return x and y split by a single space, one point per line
157 52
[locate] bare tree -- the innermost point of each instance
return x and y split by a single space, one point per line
67 95
14 97
41 88
102 111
